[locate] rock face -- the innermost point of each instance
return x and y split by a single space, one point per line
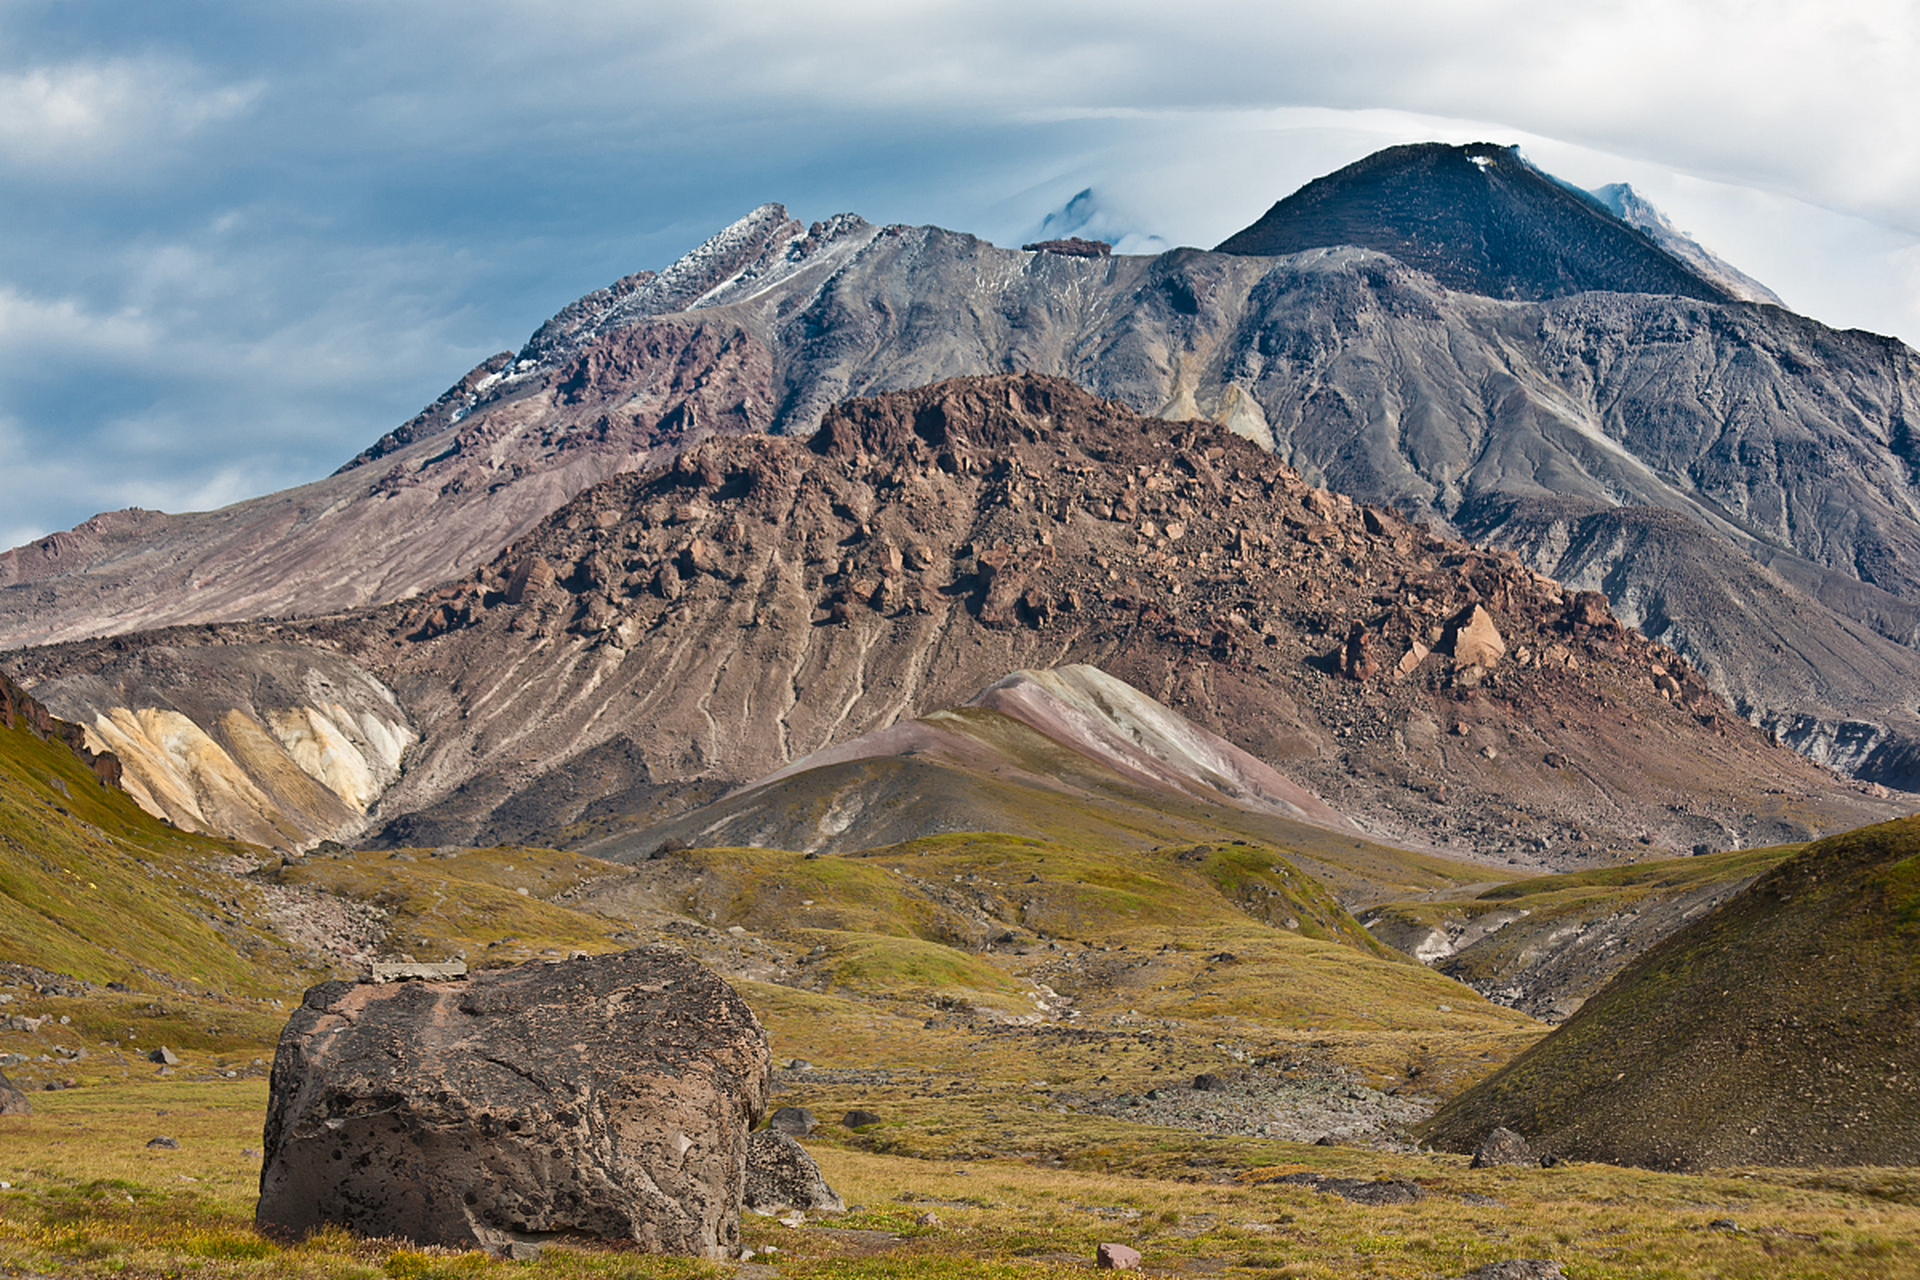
609 1097
12 1101
781 1175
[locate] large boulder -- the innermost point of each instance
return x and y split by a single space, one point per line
609 1096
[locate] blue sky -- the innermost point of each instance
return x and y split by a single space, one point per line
243 240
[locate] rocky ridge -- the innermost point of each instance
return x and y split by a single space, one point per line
696 626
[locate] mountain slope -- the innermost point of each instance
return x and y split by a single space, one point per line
1778 1030
1476 218
673 634
1722 442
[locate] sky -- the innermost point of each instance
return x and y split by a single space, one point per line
241 241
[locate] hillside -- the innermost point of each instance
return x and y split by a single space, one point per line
1779 1029
676 633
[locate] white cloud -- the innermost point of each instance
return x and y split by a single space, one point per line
82 114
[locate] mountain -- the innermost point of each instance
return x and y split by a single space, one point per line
1777 1030
1476 218
1637 211
1739 481
673 634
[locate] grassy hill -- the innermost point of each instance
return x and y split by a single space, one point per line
1783 1029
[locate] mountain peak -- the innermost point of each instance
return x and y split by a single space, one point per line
1479 218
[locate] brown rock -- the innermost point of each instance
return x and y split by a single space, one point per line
1116 1257
532 577
1476 642
608 1096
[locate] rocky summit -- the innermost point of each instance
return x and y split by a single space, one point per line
674 633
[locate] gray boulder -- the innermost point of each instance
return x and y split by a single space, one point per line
609 1097
795 1122
1502 1146
781 1175
12 1101
1518 1269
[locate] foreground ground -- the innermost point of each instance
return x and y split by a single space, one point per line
86 1196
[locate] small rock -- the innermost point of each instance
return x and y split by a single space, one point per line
13 1102
1502 1146
796 1122
1116 1257
523 1251
1207 1082
928 1219
859 1119
164 1143
164 1056
781 1175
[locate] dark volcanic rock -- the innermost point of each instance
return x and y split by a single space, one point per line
608 1097
781 1175
1478 218
795 1122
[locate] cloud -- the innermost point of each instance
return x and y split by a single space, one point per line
85 114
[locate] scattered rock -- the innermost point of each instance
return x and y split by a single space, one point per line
1377 1191
781 1175
608 1097
13 1102
163 1143
795 1122
1206 1082
1116 1257
859 1119
1502 1146
164 1056
1518 1269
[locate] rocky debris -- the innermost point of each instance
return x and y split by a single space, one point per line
163 1143
13 1102
781 1175
417 970
1294 1106
1071 247
1369 1191
859 1118
609 1096
164 1056
1108 1256
1502 1146
1518 1269
795 1122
